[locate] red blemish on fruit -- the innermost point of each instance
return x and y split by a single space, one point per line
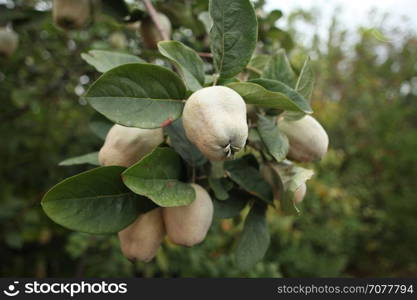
166 123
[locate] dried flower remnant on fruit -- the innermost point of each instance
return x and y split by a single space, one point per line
215 121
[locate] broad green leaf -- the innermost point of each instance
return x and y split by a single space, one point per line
156 177
219 191
204 17
217 169
220 187
188 62
275 141
254 135
89 158
232 206
285 198
255 238
257 65
138 95
280 38
182 145
292 177
305 82
304 86
100 125
233 35
225 81
105 60
279 87
254 93
95 201
247 176
260 61
279 68
273 16
293 116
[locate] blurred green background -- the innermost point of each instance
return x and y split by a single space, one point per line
360 213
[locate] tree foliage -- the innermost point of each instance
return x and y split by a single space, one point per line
360 206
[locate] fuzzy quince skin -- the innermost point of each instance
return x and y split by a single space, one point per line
124 146
188 225
142 239
215 121
308 139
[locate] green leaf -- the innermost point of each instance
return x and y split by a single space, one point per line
156 177
257 65
279 68
280 38
217 169
254 93
232 206
220 187
204 17
138 95
260 61
285 197
100 125
188 62
105 60
225 81
95 201
305 82
182 145
244 172
254 135
233 35
273 16
275 141
304 86
255 239
279 87
89 158
292 177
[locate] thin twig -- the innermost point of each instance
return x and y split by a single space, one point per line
193 174
155 19
253 69
205 54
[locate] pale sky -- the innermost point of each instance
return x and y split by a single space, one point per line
402 13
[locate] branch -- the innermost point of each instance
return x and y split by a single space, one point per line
205 54
155 19
253 69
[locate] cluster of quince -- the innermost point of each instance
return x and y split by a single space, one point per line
215 120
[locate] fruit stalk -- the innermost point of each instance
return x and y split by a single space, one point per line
155 18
